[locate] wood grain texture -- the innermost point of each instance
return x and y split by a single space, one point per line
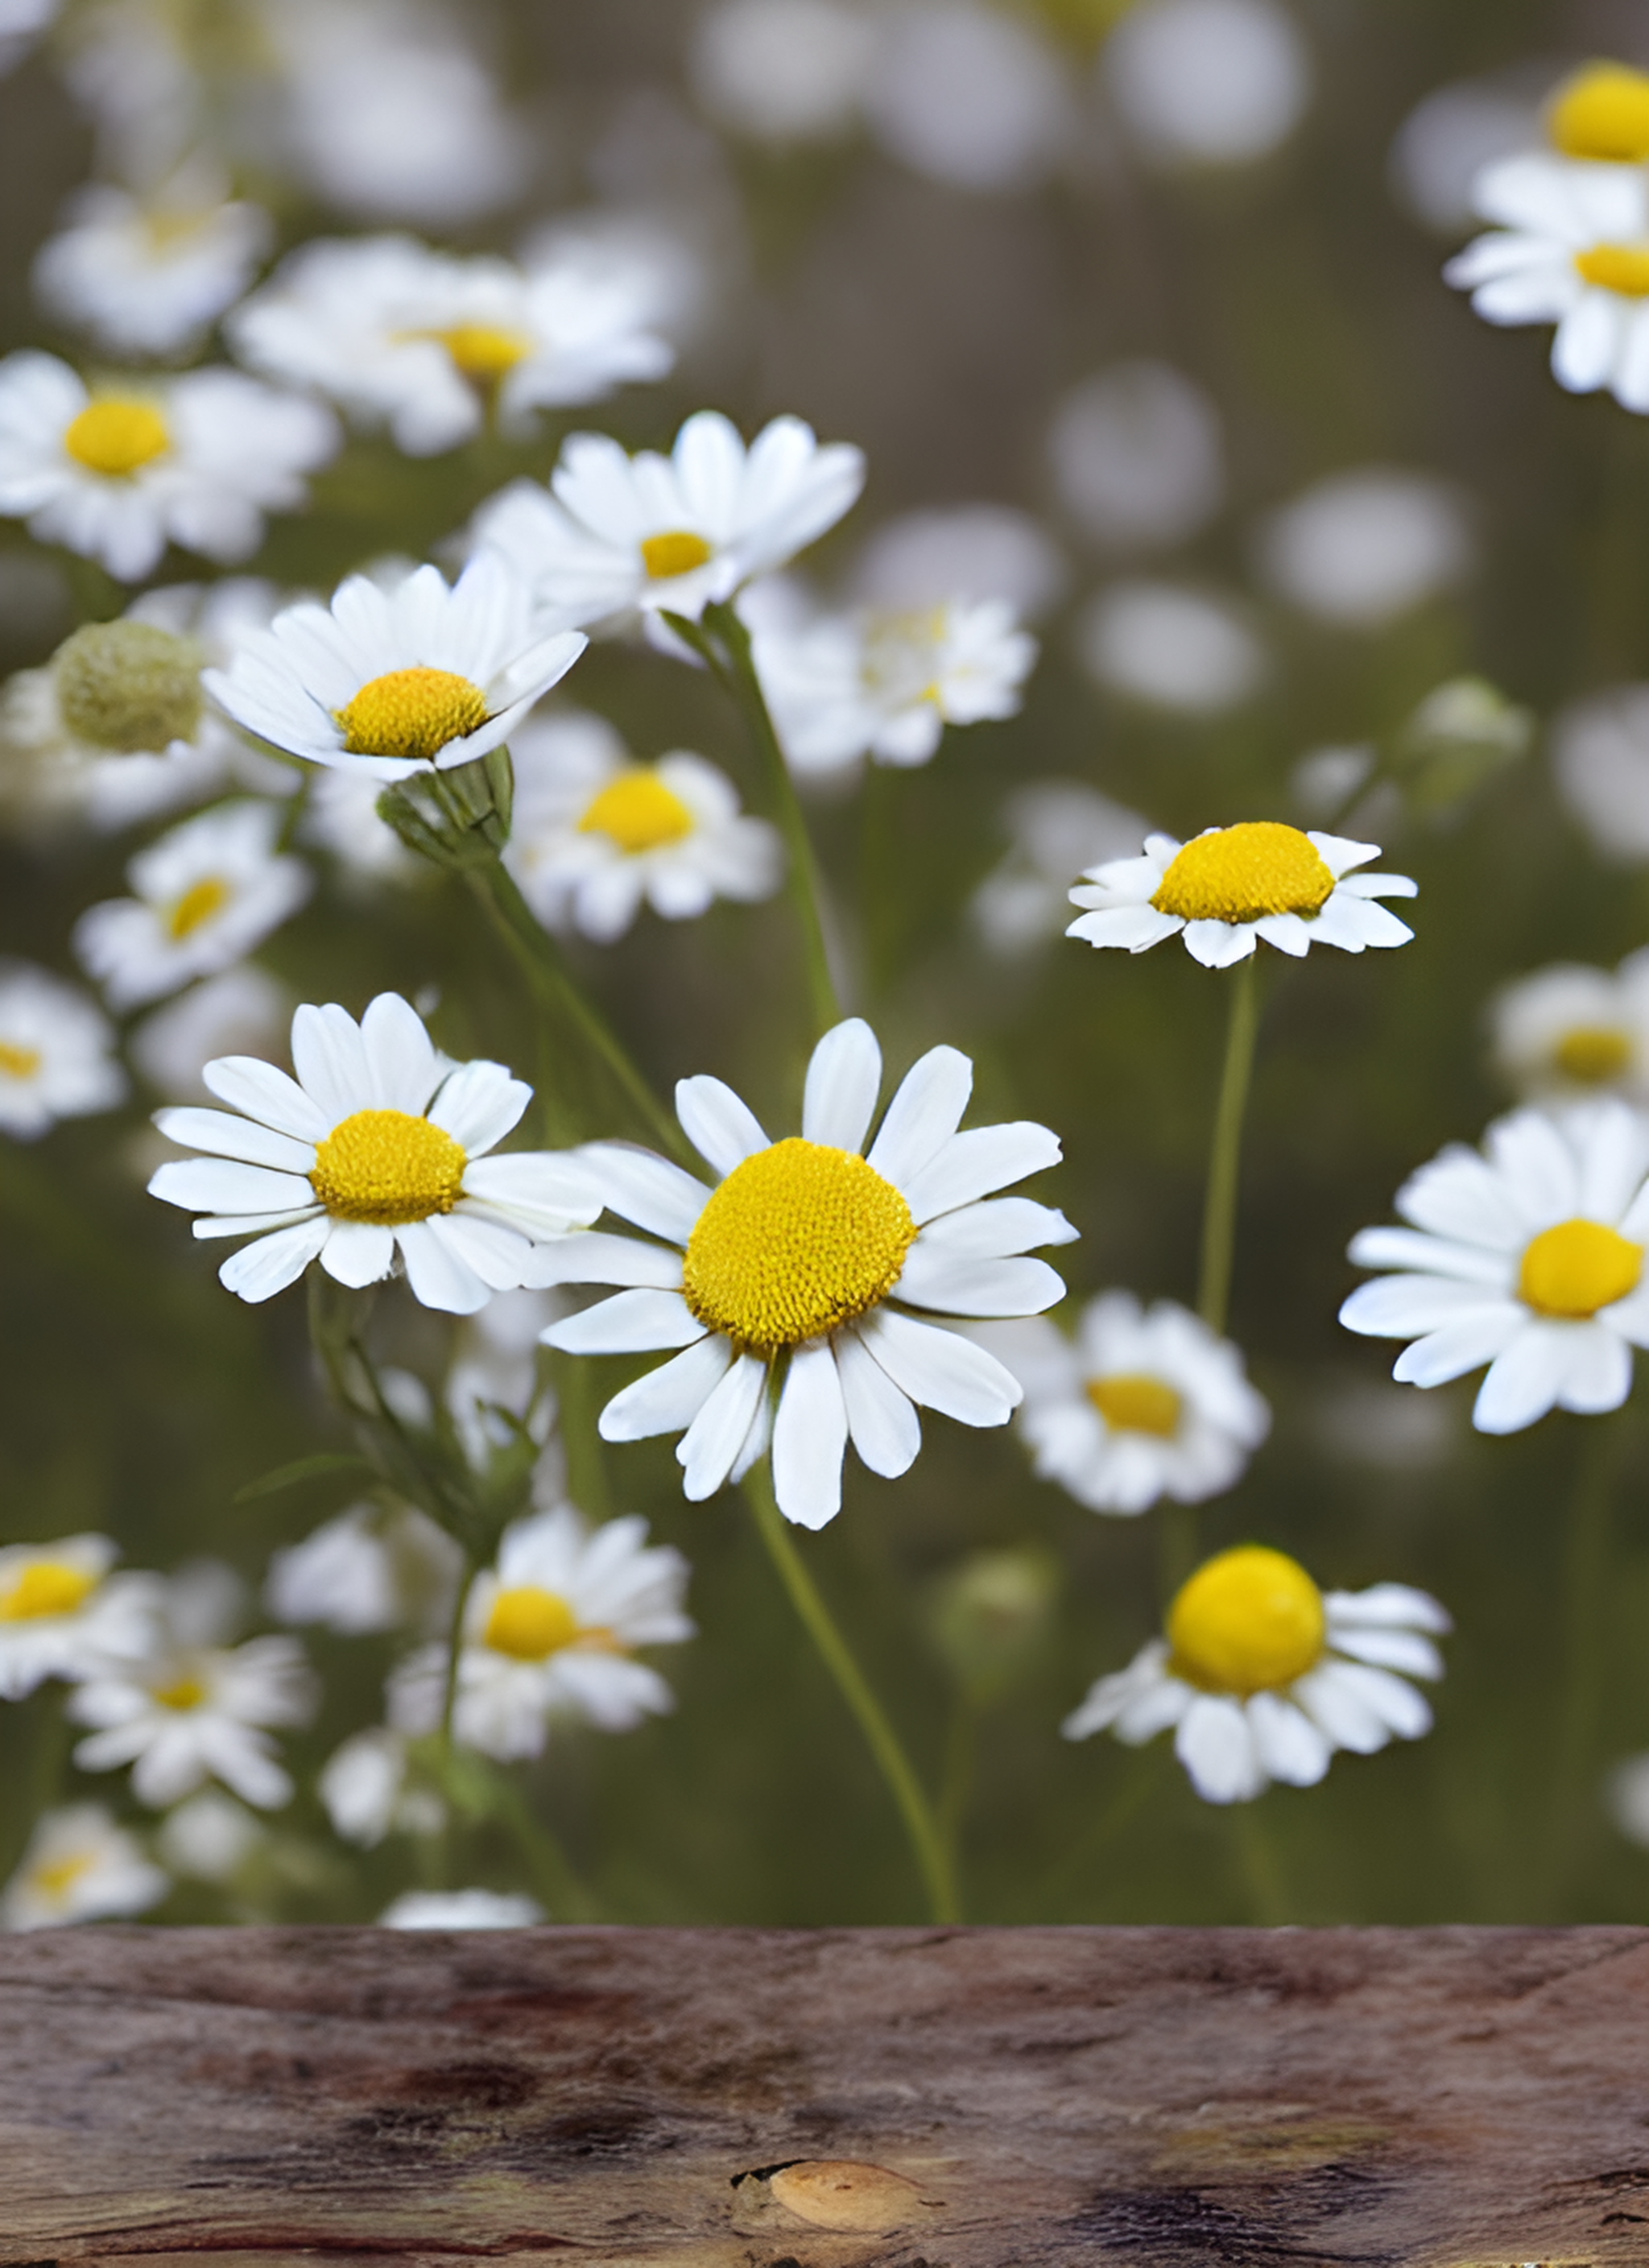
1128 2098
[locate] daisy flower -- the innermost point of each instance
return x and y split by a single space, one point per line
1572 247
1232 885
551 1631
613 533
62 1611
118 475
462 1910
368 1569
1528 1257
386 681
79 1867
1570 1031
801 1267
596 833
427 343
1146 1403
55 1053
376 1151
1263 1676
363 1785
1601 113
885 685
151 278
116 727
204 895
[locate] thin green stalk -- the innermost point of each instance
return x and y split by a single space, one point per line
956 1781
1585 1658
736 669
926 1843
1261 1867
1220 1209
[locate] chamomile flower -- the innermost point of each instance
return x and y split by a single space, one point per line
376 1152
552 1631
1528 1257
1229 887
182 1714
116 727
885 685
119 474
1572 247
1146 1404
56 1059
79 1867
151 278
1263 1676
368 1569
62 1611
597 834
614 534
801 1269
363 1785
1568 1032
203 896
428 343
386 681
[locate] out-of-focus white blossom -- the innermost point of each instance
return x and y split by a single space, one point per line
79 1867
461 1909
1170 647
968 95
63 1612
368 1569
783 70
1208 82
1568 1032
495 1367
1136 457
209 1837
1448 139
21 24
56 1057
244 1011
1362 547
1600 757
1059 828
363 1785
151 276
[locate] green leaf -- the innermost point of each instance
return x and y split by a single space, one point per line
305 1469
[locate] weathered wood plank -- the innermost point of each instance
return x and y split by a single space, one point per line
1147 2098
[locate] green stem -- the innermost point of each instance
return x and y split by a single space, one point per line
736 669
1585 1579
957 1780
1220 1209
926 1843
541 959
1262 1870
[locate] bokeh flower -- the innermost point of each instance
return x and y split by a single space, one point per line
78 1865
368 1568
1568 1032
1263 1676
63 1610
151 276
56 1057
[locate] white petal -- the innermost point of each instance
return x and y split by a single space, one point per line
970 1166
399 1059
632 1323
1406 1650
258 1270
1290 1746
478 1105
810 1434
997 1229
1524 1380
263 1092
668 1399
706 1451
331 1062
1599 1373
592 1258
437 1276
721 1127
844 1077
358 1252
940 1370
1460 1346
1216 1746
923 1116
951 1285
1218 945
645 1189
1431 1256
226 1137
883 1420
1384 1606
221 1185
1407 1307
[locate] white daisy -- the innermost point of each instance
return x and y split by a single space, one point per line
364 1785
196 461
243 1011
462 1910
596 834
368 1569
116 727
800 1268
427 343
62 1611
886 685
1229 887
185 1708
204 896
1567 1032
55 1053
1263 1676
1144 1404
150 278
377 1149
1601 113
1053 826
79 1867
1527 1257
614 533
209 1837
551 1631
1572 248
388 681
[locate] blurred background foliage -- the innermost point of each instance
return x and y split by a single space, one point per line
940 326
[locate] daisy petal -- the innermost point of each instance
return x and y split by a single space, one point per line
399 1059
358 1252
721 1127
1460 1346
478 1105
883 1420
810 1431
226 1137
995 1230
592 1258
843 1079
632 1323
953 1286
1217 1747
940 1370
668 1399
1524 1380
258 1270
1290 1746
246 1083
970 1166
707 1450
923 1116
645 1189
438 1276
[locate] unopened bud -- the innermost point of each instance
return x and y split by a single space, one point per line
128 686
989 1616
1456 740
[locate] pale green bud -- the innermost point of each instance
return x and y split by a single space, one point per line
128 686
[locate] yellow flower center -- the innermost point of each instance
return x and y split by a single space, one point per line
1623 269
18 1063
183 1693
530 1623
1601 112
1242 874
46 1586
1249 1621
638 812
798 1238
1131 1403
56 1880
676 552
117 437
412 713
198 903
387 1166
1576 1267
481 352
1593 1054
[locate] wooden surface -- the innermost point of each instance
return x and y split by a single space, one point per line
1147 2098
